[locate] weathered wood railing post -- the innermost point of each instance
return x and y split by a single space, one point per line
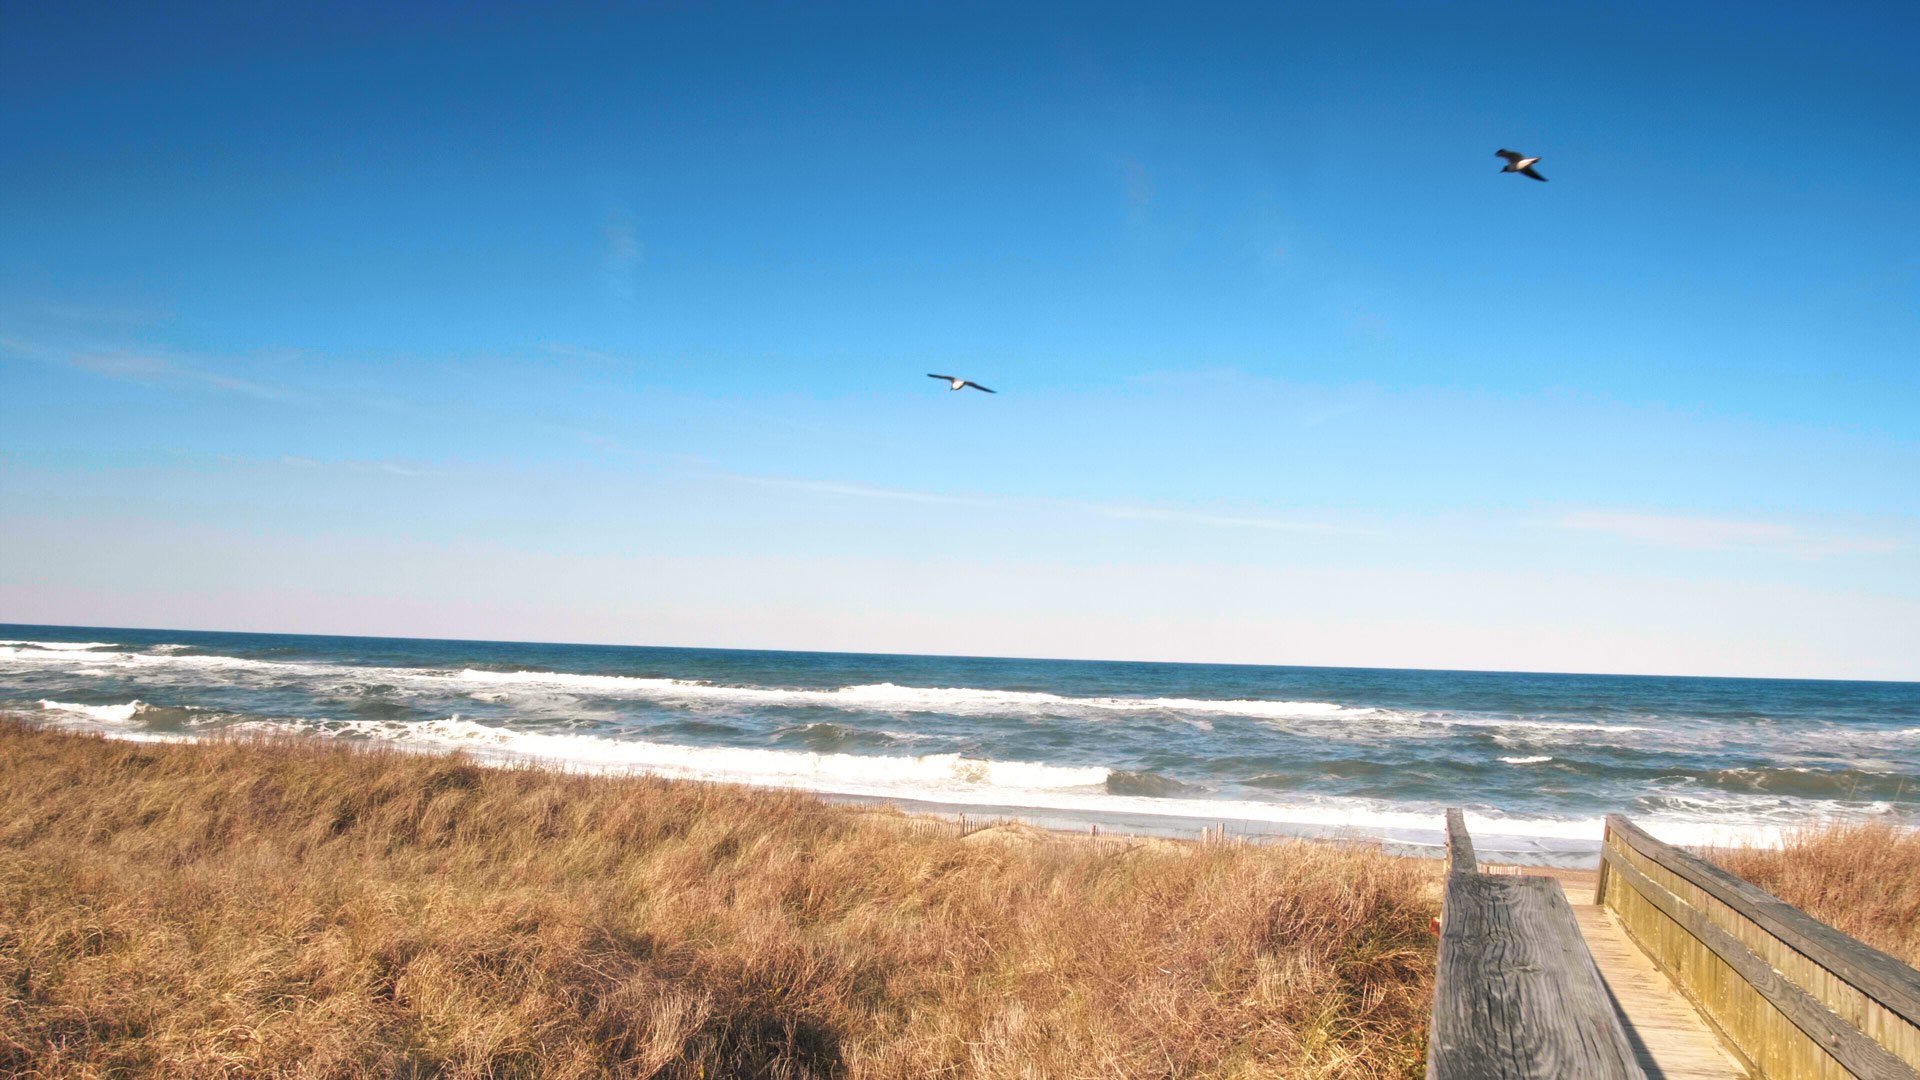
1460 854
1517 996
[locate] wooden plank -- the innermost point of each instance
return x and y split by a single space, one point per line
1670 1038
1764 1037
1768 1038
1459 843
1874 973
1517 995
1858 1054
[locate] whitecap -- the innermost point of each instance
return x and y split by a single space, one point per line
1004 786
108 714
492 686
935 773
891 697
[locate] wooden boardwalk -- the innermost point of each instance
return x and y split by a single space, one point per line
1659 965
1669 1038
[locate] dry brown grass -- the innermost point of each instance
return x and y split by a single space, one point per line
304 910
1861 879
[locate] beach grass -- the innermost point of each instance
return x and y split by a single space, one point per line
1860 878
306 909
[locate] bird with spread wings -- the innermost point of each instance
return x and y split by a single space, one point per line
1520 163
958 384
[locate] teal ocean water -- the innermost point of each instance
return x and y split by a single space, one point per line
1536 759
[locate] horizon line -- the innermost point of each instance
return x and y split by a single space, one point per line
968 656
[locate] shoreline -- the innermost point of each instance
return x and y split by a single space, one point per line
1571 877
1536 761
1558 847
1413 841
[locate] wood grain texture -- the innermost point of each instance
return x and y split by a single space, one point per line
1670 1038
1858 1055
1881 977
1517 995
1460 855
1769 1042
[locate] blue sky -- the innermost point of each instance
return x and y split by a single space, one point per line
611 325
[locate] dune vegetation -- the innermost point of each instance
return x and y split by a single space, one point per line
305 909
1863 879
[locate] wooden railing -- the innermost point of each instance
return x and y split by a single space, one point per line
1797 999
1517 995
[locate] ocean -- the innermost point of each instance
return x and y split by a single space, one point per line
1168 749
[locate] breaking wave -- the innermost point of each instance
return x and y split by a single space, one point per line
955 779
882 697
1374 754
105 714
889 697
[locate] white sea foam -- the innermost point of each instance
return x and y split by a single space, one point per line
874 697
957 780
537 693
35 656
889 697
167 673
1529 725
140 718
830 772
106 714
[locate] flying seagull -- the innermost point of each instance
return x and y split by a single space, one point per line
958 384
1519 163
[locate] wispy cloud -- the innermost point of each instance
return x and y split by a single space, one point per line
349 465
140 365
1724 534
861 491
51 311
1118 511
1232 521
1138 184
156 368
581 352
620 253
